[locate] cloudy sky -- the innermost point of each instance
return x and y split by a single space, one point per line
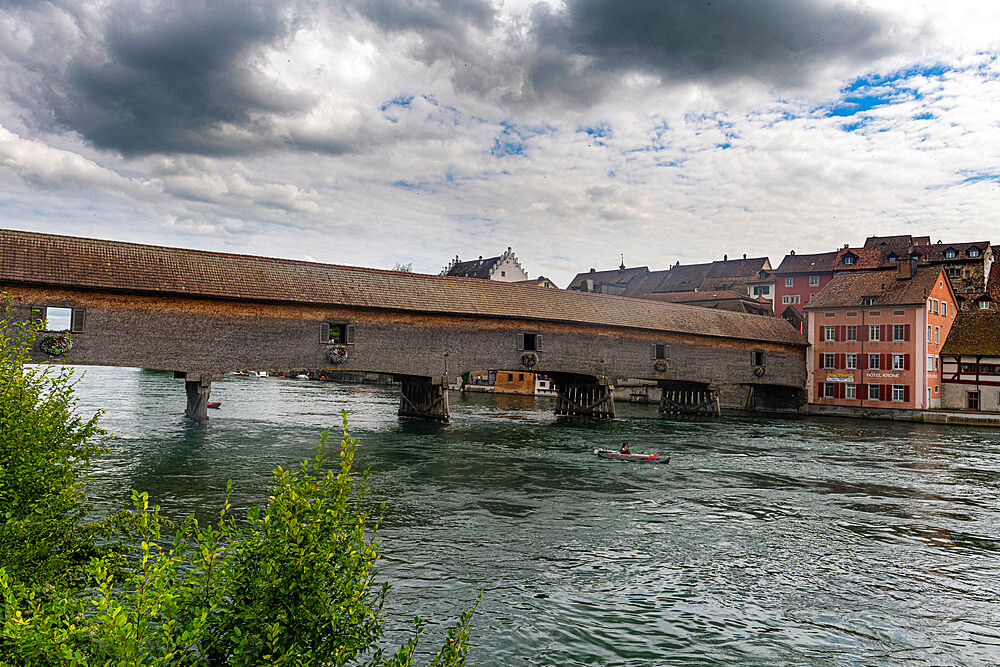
372 132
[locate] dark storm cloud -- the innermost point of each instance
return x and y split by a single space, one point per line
426 15
775 41
178 77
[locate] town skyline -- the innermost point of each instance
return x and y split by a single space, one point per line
373 134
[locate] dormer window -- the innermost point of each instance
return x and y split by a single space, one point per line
868 301
848 259
949 254
892 259
973 252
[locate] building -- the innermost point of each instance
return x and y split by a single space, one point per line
876 338
514 382
797 279
540 281
619 282
749 276
970 360
504 268
739 302
967 265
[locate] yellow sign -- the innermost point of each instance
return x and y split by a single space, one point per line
840 377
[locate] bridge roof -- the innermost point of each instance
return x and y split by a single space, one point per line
73 262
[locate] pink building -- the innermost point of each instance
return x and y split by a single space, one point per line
876 337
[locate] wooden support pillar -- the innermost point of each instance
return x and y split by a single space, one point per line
198 387
576 398
689 401
420 398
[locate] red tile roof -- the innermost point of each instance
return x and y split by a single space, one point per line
848 288
935 252
792 263
45 259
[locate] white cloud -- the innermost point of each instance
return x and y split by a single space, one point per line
402 146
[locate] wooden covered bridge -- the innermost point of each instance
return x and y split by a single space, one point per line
203 313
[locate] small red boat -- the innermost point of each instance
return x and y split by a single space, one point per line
215 404
631 458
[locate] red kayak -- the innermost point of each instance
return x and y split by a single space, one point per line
215 404
631 458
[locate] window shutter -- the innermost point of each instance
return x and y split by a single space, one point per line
883 392
819 389
883 331
78 320
862 362
886 364
324 333
906 332
538 342
906 393
349 334
906 362
652 351
841 390
520 341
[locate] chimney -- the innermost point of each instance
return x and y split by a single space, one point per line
791 252
592 270
906 268
744 255
725 258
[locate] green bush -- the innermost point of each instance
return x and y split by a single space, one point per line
292 584
44 448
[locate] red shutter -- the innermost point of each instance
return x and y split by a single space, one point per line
906 332
883 392
883 331
819 390
862 362
906 392
886 362
906 362
841 390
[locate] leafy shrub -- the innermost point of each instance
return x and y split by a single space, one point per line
292 584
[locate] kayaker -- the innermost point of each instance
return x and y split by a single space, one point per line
625 449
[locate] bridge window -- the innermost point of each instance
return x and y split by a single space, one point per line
58 318
336 334
531 342
759 358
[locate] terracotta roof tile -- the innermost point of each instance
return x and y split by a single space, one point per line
45 259
848 288
824 261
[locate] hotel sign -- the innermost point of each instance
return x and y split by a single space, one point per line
840 377
877 374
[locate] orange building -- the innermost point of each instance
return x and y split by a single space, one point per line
514 382
876 338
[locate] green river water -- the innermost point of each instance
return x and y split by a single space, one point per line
764 541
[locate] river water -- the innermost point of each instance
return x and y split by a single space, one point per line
763 541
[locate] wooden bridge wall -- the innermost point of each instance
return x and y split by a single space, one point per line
213 336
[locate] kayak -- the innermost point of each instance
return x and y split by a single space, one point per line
631 458
215 404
